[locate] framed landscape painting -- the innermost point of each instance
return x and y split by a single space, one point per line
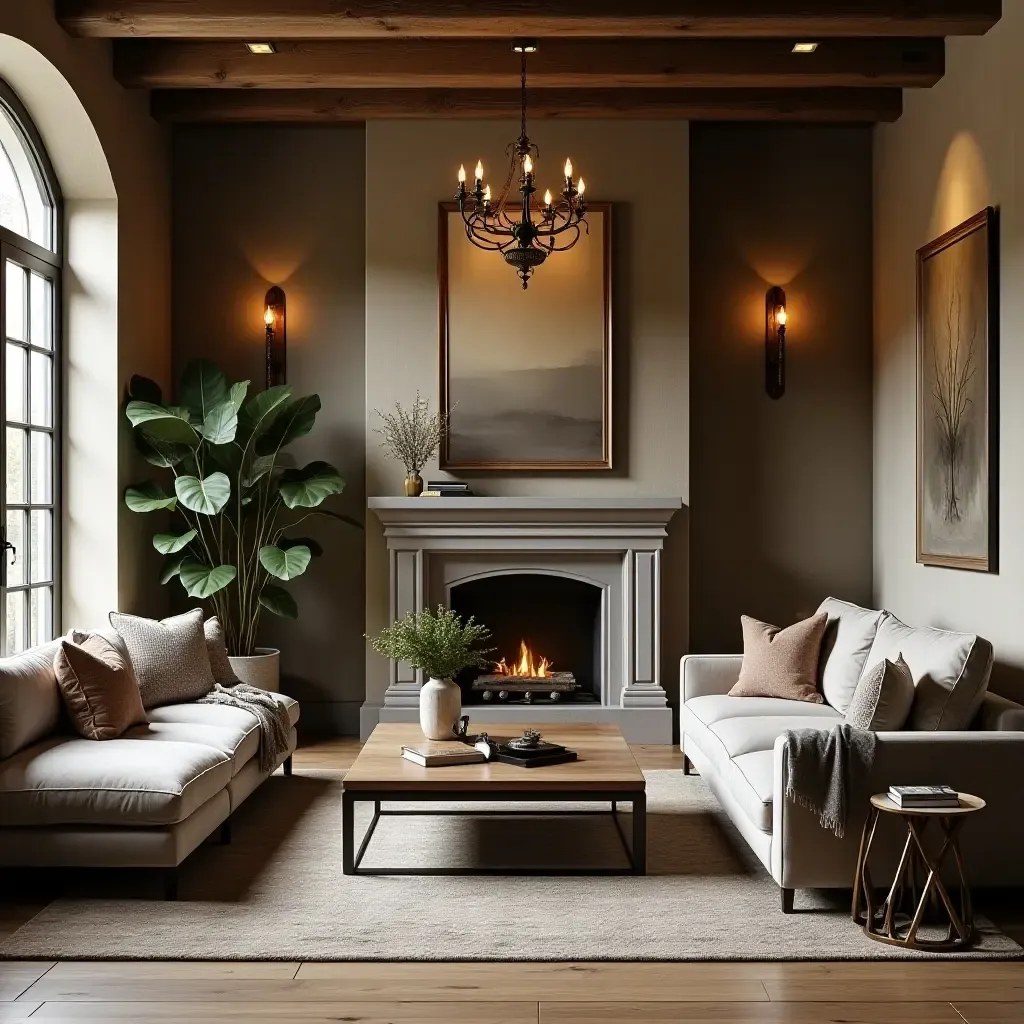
957 389
525 375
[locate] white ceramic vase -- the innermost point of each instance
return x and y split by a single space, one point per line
262 669
440 708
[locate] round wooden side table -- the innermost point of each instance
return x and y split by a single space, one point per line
918 883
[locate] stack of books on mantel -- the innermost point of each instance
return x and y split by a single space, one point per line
922 797
446 489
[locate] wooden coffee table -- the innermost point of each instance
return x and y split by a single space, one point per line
605 773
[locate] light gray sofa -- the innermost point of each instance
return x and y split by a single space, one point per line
737 745
144 800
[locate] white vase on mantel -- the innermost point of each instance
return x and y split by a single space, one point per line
262 669
440 708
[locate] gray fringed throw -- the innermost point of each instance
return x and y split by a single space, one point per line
275 727
828 771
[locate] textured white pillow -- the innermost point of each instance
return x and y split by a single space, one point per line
883 698
844 649
950 670
169 657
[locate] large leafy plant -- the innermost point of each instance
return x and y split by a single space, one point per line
235 494
439 643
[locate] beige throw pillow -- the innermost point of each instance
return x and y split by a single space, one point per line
169 656
883 698
98 687
216 648
781 662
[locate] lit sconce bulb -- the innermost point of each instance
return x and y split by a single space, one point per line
547 197
268 317
487 194
462 174
527 164
781 316
479 172
568 167
581 186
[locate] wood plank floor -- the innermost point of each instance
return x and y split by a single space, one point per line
468 993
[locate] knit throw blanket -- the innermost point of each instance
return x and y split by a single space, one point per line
828 771
275 727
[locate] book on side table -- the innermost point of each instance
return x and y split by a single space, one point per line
910 797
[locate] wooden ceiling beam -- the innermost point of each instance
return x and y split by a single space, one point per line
329 19
464 64
340 105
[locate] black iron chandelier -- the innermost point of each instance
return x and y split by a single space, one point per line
522 230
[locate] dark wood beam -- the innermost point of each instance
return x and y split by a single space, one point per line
489 63
331 19
339 105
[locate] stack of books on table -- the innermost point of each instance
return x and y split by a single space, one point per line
446 489
438 753
921 797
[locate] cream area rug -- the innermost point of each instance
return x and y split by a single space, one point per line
277 892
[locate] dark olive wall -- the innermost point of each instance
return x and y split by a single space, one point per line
263 205
781 491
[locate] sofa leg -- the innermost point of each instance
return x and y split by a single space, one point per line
225 832
288 765
688 766
787 900
171 884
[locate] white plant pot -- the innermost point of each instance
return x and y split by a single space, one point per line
262 669
440 708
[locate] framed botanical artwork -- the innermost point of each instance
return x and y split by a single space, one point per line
525 375
957 394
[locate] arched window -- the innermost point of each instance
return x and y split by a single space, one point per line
30 260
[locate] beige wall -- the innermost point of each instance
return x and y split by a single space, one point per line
642 168
111 159
781 511
955 150
256 206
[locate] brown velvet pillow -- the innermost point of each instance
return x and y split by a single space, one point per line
781 662
99 688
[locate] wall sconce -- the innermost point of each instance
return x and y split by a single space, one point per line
775 320
275 321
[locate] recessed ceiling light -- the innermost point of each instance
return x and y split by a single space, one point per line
804 47
261 48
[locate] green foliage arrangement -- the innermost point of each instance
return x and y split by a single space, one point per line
439 643
232 491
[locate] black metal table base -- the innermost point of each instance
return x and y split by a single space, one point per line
636 853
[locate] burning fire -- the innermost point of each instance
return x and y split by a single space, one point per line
526 667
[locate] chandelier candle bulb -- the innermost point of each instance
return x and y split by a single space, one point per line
479 172
547 198
462 174
568 169
581 187
527 165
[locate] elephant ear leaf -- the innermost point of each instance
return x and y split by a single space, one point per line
221 423
203 387
309 486
160 453
294 421
261 410
277 600
207 496
315 548
142 389
148 497
171 543
237 394
161 424
283 563
204 581
172 566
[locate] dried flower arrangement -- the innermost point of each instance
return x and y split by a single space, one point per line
412 436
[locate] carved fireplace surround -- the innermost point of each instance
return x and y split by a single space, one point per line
614 544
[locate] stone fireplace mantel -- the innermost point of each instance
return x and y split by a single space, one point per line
615 544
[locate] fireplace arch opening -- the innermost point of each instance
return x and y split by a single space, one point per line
546 623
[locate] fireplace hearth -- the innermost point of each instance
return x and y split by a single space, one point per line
574 584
